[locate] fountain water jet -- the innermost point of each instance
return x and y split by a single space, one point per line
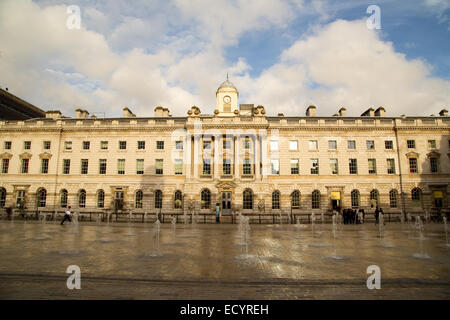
445 228
419 226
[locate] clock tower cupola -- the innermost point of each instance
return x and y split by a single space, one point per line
227 96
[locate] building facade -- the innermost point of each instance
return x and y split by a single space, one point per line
238 157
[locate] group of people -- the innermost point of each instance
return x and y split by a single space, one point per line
351 216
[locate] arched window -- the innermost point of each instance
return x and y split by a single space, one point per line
206 199
63 197
315 199
295 199
416 197
276 199
101 198
41 197
374 198
248 199
2 197
158 199
138 199
355 198
393 198
178 200
82 199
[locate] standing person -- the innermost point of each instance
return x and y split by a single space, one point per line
377 215
217 212
380 212
67 215
8 212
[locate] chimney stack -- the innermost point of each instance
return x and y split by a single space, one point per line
53 114
380 112
81 114
368 113
161 112
311 111
127 113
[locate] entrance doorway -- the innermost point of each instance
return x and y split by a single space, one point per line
226 202
335 200
118 201
335 204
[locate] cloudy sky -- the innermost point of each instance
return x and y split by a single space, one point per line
284 55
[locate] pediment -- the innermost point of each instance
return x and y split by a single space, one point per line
25 155
434 154
6 155
45 155
412 154
226 185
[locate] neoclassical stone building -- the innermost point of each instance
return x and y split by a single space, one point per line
238 157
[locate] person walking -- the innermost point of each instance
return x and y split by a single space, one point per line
67 215
217 213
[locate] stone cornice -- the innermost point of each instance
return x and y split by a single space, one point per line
6 155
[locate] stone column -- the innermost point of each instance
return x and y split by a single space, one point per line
257 157
216 156
187 156
196 156
236 157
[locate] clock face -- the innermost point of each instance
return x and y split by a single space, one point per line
226 99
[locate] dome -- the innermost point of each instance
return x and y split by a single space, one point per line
227 84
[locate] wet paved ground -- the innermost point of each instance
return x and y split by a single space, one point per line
124 261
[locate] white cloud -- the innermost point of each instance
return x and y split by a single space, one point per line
108 65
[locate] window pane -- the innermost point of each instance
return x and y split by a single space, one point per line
313 145
275 166
274 145
121 166
334 166
294 166
314 166
293 145
332 145
139 166
352 144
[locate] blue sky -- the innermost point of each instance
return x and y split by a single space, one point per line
284 55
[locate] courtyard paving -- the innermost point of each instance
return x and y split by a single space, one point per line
214 261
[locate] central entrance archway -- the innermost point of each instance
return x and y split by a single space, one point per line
226 202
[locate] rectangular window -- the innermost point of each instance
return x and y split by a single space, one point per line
247 143
25 163
275 166
104 145
334 166
273 145
68 145
207 145
27 145
313 145
247 167
141 145
390 166
20 197
84 166
413 165
372 166
388 144
47 145
314 166
352 166
66 166
294 166
226 166
332 144
102 166
178 166
44 166
207 166
7 145
226 144
431 144
160 145
86 145
293 145
370 144
411 144
120 166
139 166
159 166
351 144
122 145
434 165
179 145
5 165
